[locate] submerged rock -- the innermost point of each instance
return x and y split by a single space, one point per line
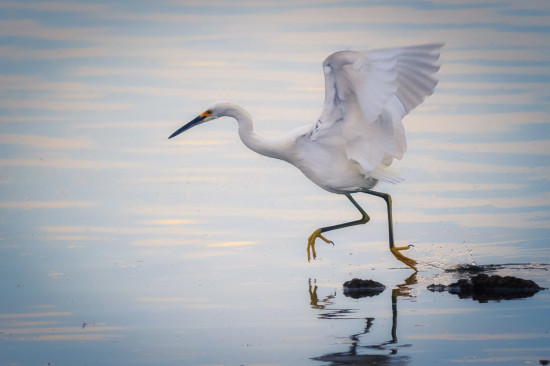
358 288
483 288
466 268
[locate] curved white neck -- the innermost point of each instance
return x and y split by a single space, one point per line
275 148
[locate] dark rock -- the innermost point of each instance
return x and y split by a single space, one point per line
358 288
483 288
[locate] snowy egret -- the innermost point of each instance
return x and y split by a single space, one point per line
350 147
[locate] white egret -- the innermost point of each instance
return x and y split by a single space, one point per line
350 147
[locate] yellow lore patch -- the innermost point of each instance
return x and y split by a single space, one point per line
207 113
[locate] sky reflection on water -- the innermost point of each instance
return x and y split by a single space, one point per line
119 247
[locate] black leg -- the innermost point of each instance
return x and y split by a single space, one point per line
317 233
395 250
386 198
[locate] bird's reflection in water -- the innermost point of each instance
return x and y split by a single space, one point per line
385 353
325 304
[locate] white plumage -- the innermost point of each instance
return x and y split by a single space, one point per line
366 96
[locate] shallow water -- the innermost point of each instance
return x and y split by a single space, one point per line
258 310
121 247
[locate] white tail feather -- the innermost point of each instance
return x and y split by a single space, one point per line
386 174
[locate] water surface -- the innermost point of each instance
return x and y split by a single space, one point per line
121 247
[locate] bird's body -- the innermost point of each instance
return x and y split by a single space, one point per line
325 164
359 132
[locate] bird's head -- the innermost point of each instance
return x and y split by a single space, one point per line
213 111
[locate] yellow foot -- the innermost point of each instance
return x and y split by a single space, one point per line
408 261
311 243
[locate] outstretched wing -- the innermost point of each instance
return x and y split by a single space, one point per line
366 96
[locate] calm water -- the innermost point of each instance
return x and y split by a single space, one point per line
120 247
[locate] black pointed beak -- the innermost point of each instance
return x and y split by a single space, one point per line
193 123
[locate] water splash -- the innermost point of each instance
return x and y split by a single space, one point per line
445 255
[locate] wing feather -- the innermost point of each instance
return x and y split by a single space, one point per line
366 96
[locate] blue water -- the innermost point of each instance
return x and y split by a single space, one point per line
121 247
265 312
